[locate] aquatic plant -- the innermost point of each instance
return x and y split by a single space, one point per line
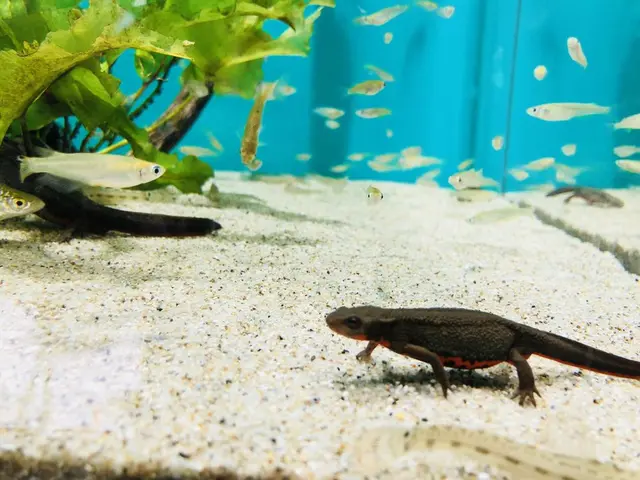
57 58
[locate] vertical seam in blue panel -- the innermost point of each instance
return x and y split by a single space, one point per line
481 26
512 80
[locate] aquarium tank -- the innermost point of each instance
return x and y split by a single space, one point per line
319 239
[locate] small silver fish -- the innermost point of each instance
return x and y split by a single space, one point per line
624 151
569 150
474 195
340 168
373 112
374 195
381 17
519 174
632 122
368 87
357 157
197 151
632 166
499 215
561 112
540 164
427 179
381 74
14 203
574 47
329 112
465 164
471 179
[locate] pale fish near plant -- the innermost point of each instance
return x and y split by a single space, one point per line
93 169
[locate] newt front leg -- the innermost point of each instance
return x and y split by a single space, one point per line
427 356
365 355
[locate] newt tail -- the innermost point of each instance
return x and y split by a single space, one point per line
470 339
593 196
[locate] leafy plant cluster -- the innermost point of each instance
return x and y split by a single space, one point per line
57 58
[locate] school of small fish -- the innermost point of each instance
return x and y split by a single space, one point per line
469 184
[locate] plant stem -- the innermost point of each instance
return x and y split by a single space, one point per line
114 146
85 141
26 138
65 134
75 131
159 123
159 76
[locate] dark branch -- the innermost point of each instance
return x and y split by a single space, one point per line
170 133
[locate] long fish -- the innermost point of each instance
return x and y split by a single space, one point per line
14 203
249 144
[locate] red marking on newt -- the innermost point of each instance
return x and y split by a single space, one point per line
458 362
613 374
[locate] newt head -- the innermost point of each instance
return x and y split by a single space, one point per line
350 322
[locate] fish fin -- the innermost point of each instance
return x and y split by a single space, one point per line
283 81
268 89
25 168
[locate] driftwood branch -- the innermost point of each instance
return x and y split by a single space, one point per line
167 136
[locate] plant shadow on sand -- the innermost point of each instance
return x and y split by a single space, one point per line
277 240
242 201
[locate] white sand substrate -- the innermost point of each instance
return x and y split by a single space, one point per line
200 353
616 230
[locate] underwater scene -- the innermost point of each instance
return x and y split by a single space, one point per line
320 239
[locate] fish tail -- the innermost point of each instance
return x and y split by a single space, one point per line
267 89
25 168
560 190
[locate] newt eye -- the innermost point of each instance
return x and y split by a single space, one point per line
353 323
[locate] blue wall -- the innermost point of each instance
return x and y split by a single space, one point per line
459 82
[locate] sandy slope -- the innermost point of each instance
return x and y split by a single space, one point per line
213 352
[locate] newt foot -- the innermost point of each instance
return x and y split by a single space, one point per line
364 356
526 394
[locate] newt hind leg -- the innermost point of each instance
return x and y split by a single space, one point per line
526 383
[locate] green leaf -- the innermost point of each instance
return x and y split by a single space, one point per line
188 175
56 60
147 63
85 95
25 77
44 111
